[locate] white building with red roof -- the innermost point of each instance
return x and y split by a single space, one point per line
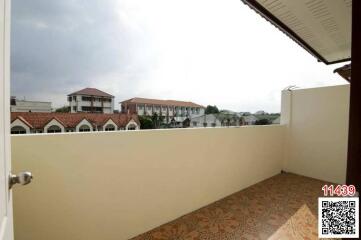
171 110
91 100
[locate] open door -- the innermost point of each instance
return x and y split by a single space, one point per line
6 210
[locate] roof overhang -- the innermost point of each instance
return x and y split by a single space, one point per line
322 27
344 72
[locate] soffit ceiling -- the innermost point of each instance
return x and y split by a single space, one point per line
322 27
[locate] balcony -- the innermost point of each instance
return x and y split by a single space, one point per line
95 104
217 183
281 207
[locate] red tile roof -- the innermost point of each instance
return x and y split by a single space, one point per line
162 102
91 92
24 121
70 120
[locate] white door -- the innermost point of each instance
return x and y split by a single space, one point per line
6 210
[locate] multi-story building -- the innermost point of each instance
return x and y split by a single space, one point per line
91 100
177 111
29 122
29 106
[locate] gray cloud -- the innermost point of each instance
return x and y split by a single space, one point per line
61 46
206 51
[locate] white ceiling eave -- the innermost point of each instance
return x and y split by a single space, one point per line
322 27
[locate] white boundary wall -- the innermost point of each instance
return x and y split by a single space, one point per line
316 132
115 185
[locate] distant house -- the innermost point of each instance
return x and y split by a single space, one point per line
216 120
171 110
261 112
17 105
29 122
249 120
179 122
229 112
277 120
91 100
207 120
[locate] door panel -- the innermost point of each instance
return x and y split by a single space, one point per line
6 211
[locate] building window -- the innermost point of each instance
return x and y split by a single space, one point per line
88 99
69 99
91 109
84 128
132 127
54 129
194 124
109 127
213 125
18 130
105 99
13 101
197 110
205 124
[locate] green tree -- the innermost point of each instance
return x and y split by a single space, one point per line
263 121
64 109
157 120
211 109
146 122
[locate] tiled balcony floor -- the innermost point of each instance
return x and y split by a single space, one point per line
281 207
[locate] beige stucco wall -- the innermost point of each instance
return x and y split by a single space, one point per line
317 132
115 185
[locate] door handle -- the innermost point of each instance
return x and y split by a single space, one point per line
22 178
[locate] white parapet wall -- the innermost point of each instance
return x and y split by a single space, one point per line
116 185
316 122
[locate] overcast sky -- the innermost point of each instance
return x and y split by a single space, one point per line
216 52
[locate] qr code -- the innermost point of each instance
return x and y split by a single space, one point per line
338 217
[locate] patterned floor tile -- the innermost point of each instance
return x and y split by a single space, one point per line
281 207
